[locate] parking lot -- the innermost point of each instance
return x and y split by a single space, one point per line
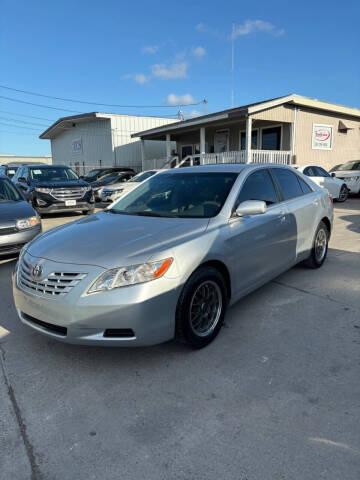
276 396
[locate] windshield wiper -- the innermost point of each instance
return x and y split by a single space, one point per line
148 214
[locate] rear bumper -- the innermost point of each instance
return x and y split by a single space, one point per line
13 242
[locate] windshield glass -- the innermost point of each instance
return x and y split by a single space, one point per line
353 165
185 195
140 177
55 174
8 193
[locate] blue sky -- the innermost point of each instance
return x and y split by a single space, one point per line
167 52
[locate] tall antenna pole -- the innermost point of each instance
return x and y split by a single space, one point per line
205 109
232 62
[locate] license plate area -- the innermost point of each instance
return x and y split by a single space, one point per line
70 203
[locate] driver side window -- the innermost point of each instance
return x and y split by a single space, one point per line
258 186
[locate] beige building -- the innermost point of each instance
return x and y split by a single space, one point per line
5 159
289 129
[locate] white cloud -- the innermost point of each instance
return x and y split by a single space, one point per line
186 99
201 27
137 77
253 26
176 70
199 52
150 49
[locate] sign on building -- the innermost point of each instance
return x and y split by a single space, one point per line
322 137
76 145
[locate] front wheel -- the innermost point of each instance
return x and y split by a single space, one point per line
343 195
201 307
320 247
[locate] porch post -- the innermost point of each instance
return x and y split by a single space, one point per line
168 146
142 145
202 143
248 139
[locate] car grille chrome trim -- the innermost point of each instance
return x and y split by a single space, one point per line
7 230
55 284
74 193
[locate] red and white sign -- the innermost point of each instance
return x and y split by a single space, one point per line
322 137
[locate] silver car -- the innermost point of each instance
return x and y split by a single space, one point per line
169 257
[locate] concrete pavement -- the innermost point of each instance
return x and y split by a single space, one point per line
276 396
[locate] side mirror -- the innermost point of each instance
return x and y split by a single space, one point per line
332 174
250 207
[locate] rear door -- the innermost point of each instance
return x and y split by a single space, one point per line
258 246
302 204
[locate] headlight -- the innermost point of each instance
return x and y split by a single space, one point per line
43 190
117 190
124 276
24 223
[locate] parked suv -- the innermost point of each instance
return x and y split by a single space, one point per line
8 170
54 188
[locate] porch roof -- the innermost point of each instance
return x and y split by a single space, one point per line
233 114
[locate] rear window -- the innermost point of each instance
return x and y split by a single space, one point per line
288 183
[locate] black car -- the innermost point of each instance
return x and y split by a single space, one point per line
8 170
19 223
110 179
54 188
97 173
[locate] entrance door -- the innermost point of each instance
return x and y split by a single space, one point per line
221 141
186 150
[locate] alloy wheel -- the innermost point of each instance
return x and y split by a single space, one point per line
205 308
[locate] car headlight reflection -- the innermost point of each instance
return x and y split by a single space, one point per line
25 223
125 276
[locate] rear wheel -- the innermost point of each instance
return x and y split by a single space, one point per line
343 195
320 247
201 308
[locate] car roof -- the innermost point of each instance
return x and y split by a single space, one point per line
42 165
226 167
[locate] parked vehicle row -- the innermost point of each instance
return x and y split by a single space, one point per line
350 173
174 253
336 187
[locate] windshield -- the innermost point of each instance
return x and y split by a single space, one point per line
140 177
93 174
55 174
8 193
353 165
111 177
185 195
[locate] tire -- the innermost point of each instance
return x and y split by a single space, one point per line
320 247
343 195
205 292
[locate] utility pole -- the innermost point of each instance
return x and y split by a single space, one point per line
232 62
205 106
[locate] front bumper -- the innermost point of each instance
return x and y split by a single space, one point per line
352 185
46 203
13 242
147 309
60 207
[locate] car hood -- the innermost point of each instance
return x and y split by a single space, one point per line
347 173
12 211
65 184
109 240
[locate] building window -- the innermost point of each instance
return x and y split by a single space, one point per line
254 140
271 138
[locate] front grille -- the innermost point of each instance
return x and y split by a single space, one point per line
14 248
75 193
7 230
47 326
57 283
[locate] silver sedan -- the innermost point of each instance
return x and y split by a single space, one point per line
168 258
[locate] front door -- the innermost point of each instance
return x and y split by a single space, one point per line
186 150
259 246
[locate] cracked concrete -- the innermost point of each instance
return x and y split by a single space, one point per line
276 396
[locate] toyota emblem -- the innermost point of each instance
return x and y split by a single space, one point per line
36 271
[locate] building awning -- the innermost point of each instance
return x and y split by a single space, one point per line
343 127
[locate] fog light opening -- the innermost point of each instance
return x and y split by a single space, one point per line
119 333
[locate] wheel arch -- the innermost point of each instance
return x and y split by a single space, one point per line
327 223
223 270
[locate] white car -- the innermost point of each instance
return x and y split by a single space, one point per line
349 172
337 188
117 190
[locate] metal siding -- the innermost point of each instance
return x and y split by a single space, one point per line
346 146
